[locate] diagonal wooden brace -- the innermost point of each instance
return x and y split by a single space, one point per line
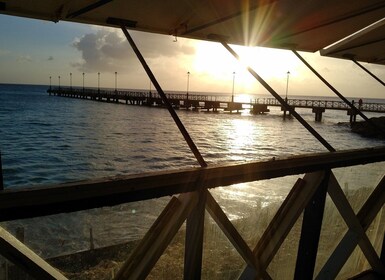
159 236
354 224
25 258
344 249
285 218
233 235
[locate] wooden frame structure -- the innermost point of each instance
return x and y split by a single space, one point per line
194 197
190 188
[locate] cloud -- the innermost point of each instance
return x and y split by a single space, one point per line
4 52
107 50
24 58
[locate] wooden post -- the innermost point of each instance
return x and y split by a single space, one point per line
92 246
6 270
1 175
310 233
194 239
382 257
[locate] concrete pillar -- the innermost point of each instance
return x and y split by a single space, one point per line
318 113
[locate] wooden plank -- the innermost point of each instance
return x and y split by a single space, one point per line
45 200
25 259
233 235
194 239
159 236
310 232
285 218
344 249
354 225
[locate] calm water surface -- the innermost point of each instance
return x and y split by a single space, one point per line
46 139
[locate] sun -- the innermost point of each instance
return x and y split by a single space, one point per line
213 60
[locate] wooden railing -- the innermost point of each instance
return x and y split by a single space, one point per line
131 94
191 196
327 104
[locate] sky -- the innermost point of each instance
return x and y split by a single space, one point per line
31 51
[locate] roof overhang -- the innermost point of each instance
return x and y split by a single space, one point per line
367 45
289 24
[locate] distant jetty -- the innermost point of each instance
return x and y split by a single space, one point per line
214 103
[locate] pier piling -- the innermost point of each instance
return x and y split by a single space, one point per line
318 113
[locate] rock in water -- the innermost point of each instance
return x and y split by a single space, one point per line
366 129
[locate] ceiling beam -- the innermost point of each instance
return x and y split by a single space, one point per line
88 8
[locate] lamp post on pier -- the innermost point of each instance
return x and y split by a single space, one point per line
232 94
287 84
188 82
59 82
71 81
83 81
116 81
50 83
98 82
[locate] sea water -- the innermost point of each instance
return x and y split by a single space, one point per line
48 139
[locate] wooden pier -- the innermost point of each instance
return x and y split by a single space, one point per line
214 103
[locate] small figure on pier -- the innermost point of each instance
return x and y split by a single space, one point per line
360 103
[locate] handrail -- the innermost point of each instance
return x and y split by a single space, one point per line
52 199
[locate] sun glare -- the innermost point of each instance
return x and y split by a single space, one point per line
217 63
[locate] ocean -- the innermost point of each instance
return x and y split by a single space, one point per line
48 139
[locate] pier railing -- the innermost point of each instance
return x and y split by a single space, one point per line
122 94
208 101
336 206
327 104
